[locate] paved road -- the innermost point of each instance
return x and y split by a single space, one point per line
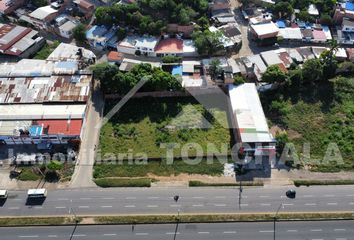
340 230
197 200
82 176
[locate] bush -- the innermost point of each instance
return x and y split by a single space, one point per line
236 184
171 59
46 50
238 80
299 183
28 175
123 182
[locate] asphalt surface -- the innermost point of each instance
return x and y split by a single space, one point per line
192 200
340 230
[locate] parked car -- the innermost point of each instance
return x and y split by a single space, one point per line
291 193
3 194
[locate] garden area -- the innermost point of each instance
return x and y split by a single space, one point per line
143 124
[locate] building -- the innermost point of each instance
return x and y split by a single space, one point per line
250 127
169 47
115 57
66 30
191 73
8 6
189 50
43 101
346 33
290 34
343 10
312 10
307 35
134 44
101 37
18 41
85 7
186 31
69 52
350 53
264 30
41 17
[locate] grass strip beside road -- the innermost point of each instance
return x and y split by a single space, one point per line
300 182
170 218
235 184
123 182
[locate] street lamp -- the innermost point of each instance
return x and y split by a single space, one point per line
275 218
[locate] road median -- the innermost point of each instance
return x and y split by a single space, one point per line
173 218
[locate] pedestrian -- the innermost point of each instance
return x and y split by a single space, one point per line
133 226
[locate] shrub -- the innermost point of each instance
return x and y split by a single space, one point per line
238 80
171 59
123 182
28 175
204 184
299 183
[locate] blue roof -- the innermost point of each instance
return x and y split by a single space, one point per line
66 65
281 23
35 130
96 31
177 70
349 6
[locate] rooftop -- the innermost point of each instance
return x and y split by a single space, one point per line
271 58
170 45
114 56
139 42
246 106
265 28
68 26
69 52
67 127
43 12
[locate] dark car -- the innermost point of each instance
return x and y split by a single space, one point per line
291 193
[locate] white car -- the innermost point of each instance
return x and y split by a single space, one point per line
3 194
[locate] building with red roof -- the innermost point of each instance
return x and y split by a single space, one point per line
115 57
85 7
69 127
169 46
319 35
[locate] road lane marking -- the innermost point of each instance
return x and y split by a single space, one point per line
28 236
85 198
266 231
172 233
219 205
316 230
106 206
244 204
292 230
52 236
110 234
84 207
38 207
130 198
13 208
141 234
350 195
198 197
262 196
152 206
341 239
229 232
175 205
351 203
108 198
153 197
339 229
334 203
63 199
265 204
198 205
288 204
329 195
317 239
310 204
129 206
79 235
60 207
220 197
203 232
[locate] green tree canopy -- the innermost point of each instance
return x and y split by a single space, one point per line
79 33
274 74
312 70
207 43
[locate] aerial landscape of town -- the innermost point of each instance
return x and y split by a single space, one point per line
177 119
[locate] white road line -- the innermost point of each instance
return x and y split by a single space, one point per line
350 195
288 204
317 239
339 229
175 205
141 234
38 207
220 197
152 206
13 208
329 195
108 198
130 198
153 197
244 204
172 233
110 234
264 196
28 236
84 207
52 236
203 232
85 198
351 203
63 199
198 197
60 207
290 230
229 232
310 204
333 203
219 205
198 205
79 235
106 206
266 231
316 230
341 239
129 206
265 204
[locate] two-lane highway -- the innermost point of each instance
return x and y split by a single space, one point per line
323 230
192 200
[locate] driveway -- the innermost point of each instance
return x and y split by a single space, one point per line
82 176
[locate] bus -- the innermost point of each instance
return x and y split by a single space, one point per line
37 193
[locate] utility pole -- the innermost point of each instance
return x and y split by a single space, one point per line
176 229
240 195
76 222
275 219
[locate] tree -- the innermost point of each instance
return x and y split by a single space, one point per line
54 165
207 43
79 33
215 70
105 73
295 77
283 9
171 59
238 80
326 20
274 74
312 70
39 3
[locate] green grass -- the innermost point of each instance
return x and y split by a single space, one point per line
119 182
159 168
142 124
46 50
28 175
236 184
27 221
319 115
299 182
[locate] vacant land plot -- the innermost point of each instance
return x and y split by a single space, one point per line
142 125
321 116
